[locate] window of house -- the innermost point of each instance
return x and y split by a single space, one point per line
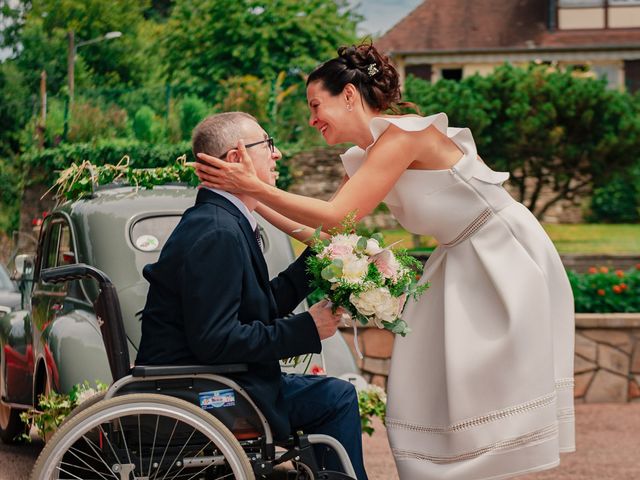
598 14
420 71
451 73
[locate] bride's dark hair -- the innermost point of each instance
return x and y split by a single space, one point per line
369 71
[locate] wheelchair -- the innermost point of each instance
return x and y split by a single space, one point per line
170 422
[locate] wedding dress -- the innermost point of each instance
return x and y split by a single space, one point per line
482 388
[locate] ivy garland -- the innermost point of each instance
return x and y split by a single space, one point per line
81 179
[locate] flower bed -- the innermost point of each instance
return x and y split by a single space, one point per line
602 290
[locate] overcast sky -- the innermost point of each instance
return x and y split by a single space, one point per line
381 15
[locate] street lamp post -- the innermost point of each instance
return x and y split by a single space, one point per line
71 55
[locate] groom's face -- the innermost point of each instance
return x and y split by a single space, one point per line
264 160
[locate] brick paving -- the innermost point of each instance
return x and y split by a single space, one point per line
607 442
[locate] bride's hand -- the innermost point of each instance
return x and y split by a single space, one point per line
236 174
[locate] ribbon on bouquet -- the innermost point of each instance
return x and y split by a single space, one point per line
355 333
346 317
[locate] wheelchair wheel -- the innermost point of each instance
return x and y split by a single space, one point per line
143 436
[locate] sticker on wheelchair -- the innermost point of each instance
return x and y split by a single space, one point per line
217 399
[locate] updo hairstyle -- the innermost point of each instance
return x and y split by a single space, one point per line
364 67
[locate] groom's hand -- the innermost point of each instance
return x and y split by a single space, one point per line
326 321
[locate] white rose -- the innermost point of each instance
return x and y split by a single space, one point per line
373 247
376 304
387 309
351 240
354 269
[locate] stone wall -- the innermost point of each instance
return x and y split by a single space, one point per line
606 364
607 360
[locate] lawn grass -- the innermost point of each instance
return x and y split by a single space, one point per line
570 238
595 238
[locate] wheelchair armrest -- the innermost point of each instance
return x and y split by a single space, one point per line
165 370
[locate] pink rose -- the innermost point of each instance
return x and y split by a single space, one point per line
339 250
386 263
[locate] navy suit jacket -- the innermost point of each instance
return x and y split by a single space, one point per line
210 301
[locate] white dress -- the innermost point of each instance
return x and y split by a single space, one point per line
482 388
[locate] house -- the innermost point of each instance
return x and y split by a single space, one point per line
452 39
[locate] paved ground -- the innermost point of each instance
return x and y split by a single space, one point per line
608 440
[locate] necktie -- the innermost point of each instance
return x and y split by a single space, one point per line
258 237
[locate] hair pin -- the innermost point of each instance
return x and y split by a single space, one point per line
372 69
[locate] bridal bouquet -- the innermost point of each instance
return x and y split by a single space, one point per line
359 273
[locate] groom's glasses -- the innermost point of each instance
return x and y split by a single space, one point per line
268 141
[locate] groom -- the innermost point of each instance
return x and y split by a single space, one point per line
210 301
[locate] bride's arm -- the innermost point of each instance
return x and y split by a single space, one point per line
300 232
296 230
386 161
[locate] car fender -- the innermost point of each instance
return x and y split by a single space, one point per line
17 356
74 351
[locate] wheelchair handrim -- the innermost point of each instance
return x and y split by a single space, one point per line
144 408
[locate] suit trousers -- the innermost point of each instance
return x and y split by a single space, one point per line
329 406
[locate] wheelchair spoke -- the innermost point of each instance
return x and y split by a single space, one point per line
175 425
124 441
217 478
153 447
98 454
88 468
106 437
178 455
68 473
140 443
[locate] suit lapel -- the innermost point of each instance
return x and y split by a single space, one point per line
256 255
257 258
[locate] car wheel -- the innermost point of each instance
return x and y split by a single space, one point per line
11 427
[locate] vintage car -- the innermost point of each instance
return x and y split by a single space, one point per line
52 341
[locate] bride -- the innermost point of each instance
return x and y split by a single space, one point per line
483 386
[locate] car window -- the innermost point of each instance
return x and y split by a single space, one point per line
151 233
50 253
66 255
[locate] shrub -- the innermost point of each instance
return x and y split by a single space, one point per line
191 111
89 122
10 194
145 126
618 201
604 291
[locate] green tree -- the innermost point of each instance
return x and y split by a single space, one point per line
14 107
211 40
547 128
38 36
